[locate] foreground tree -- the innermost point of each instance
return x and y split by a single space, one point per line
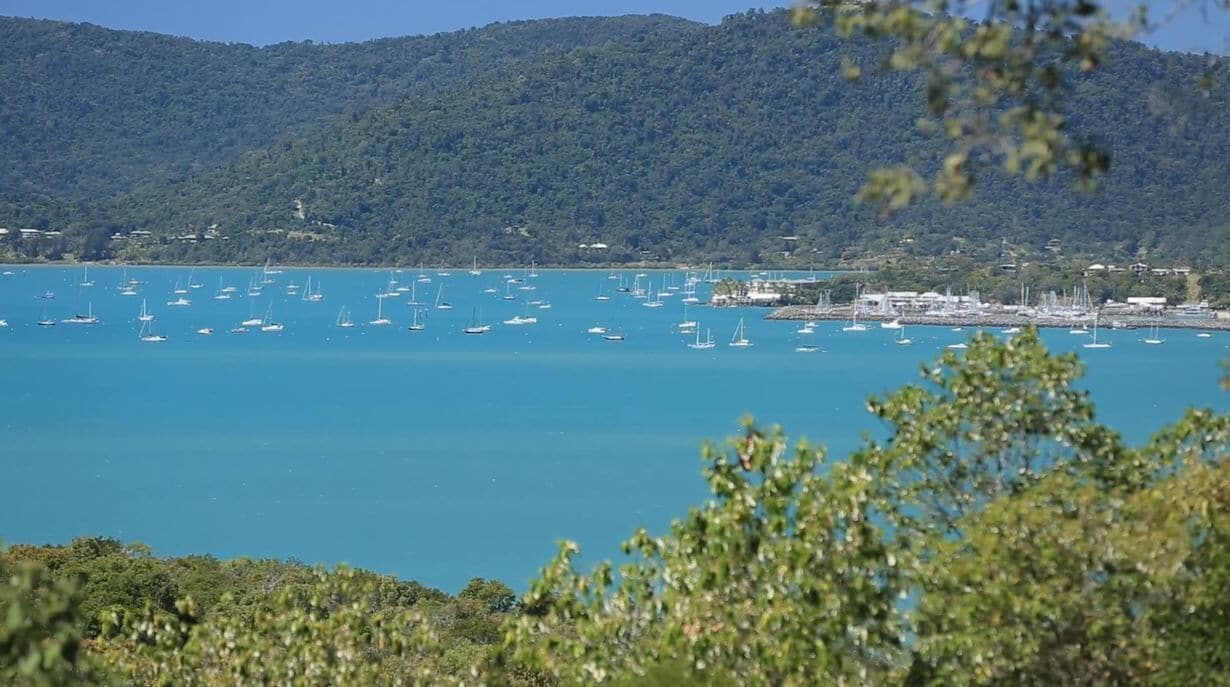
995 89
998 536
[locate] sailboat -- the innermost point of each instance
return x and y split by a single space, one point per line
416 325
179 290
145 315
253 320
740 340
474 270
601 297
82 319
686 325
596 329
807 346
85 278
192 284
441 304
313 296
525 319
1094 343
508 295
475 326
343 319
147 333
380 320
703 345
855 325
1154 339
902 340
654 300
223 293
268 324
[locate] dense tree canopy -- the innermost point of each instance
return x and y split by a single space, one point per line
666 141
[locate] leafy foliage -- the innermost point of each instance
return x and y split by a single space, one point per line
997 534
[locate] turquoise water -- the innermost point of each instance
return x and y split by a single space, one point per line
433 455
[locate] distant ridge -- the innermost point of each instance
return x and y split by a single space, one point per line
662 139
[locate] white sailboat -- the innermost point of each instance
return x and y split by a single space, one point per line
902 340
807 345
253 320
654 300
508 294
192 284
145 314
703 345
1095 343
855 325
268 325
686 325
85 278
1154 338
476 326
474 269
415 324
147 333
343 319
381 320
739 339
442 304
82 319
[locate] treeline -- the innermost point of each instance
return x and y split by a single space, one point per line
997 535
665 141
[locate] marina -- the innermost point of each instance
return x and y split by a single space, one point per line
296 440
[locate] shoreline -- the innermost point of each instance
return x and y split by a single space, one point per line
842 313
456 269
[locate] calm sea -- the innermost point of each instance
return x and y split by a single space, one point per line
433 455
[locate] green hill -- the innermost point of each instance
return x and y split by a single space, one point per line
89 111
665 144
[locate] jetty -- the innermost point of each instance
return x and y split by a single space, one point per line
993 317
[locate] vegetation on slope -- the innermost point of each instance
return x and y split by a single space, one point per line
705 144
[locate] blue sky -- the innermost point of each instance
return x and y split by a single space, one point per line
270 21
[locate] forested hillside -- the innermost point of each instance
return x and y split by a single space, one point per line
664 141
90 112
